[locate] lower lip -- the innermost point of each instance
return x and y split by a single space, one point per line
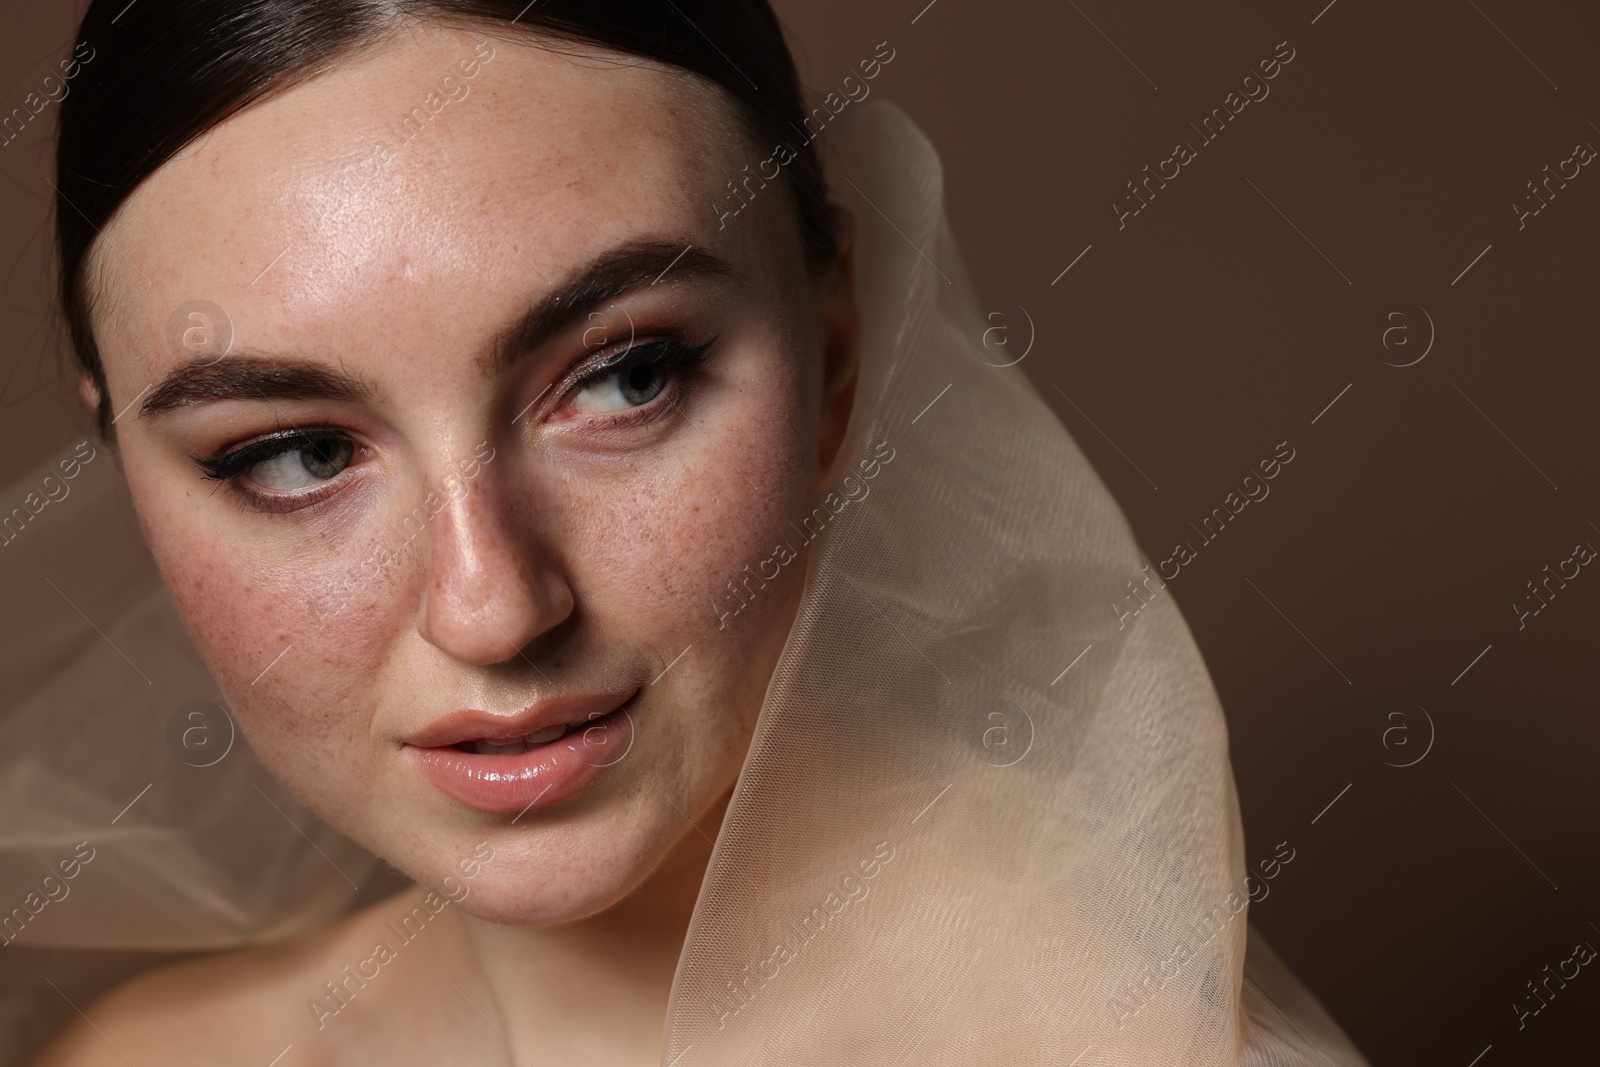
538 777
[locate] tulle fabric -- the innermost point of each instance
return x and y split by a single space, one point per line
100 757
984 818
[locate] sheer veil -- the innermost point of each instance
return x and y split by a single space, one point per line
985 819
136 824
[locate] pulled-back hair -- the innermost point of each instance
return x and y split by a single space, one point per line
166 72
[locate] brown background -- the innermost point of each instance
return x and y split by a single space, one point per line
1205 332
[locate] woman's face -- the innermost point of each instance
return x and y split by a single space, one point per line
419 512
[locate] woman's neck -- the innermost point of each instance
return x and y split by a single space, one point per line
595 991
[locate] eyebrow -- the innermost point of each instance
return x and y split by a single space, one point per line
621 270
249 376
256 376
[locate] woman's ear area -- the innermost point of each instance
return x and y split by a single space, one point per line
89 392
841 341
93 395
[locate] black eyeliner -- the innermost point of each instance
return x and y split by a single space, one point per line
242 459
667 352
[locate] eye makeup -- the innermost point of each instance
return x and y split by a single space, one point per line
323 453
297 468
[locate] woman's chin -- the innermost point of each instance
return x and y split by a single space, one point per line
542 876
524 895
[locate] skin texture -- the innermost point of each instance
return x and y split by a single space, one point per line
581 558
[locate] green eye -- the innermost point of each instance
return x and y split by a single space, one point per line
300 468
635 378
630 387
287 463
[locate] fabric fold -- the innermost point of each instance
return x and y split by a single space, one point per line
985 818
980 809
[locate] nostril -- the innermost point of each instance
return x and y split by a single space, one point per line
489 593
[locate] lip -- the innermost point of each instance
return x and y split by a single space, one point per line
472 725
544 774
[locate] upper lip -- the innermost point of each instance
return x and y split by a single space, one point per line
474 725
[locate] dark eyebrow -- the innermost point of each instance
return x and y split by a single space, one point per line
249 376
621 270
255 376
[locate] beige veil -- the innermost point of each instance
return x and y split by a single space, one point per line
985 818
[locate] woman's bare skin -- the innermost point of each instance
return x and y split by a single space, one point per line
586 556
595 993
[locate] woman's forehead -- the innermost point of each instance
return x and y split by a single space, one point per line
442 170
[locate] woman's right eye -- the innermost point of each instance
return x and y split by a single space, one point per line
285 465
297 468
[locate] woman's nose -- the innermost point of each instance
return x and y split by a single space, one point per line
491 591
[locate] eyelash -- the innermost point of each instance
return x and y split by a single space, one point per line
230 466
669 353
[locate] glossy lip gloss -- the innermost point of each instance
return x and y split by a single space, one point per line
543 775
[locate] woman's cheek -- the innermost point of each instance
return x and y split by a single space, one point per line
694 517
246 596
228 602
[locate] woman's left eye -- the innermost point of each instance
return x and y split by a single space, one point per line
630 387
634 378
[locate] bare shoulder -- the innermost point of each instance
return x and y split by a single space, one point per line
244 1006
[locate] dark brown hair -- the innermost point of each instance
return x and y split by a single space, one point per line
166 72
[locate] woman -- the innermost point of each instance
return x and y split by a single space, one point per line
577 512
